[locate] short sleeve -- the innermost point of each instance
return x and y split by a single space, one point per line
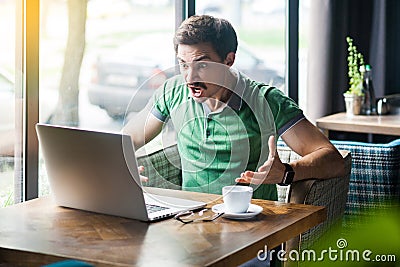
166 96
285 110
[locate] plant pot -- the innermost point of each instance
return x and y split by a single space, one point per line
353 104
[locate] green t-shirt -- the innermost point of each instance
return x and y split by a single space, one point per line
216 147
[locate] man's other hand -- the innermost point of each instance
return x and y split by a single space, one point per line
143 179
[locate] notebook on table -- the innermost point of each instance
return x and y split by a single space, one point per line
97 171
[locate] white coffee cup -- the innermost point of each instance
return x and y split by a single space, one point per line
237 198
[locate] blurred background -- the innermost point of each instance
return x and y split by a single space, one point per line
100 61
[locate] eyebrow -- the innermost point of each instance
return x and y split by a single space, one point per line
196 59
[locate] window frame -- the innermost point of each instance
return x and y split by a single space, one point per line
28 153
292 49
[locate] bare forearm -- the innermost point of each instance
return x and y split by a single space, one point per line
136 133
320 159
142 128
323 163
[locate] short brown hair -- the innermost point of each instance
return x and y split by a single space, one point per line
207 29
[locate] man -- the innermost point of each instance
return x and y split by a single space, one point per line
226 123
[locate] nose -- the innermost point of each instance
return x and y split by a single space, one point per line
191 75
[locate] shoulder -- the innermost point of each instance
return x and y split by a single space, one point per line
258 91
256 88
173 88
276 98
175 83
168 96
285 110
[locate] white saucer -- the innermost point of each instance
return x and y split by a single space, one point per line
251 212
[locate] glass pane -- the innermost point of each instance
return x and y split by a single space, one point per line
100 75
8 132
304 26
260 26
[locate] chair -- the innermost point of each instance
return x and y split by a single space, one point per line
164 168
374 179
331 193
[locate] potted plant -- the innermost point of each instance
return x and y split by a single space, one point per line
354 96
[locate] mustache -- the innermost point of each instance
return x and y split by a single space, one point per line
198 84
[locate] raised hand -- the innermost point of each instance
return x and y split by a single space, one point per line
271 172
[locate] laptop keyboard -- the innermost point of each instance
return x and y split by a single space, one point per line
153 208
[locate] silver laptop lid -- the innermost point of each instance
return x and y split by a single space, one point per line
92 171
97 171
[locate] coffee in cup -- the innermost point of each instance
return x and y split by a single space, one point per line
237 198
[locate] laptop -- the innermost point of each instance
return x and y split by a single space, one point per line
97 171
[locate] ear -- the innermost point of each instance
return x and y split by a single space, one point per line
230 59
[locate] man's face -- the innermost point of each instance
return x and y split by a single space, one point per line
204 71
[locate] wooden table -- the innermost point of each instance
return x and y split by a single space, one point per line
37 232
372 124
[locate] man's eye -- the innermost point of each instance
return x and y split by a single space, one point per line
183 65
202 65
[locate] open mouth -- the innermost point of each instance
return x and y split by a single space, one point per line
196 92
197 89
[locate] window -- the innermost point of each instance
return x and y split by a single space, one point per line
304 16
123 47
96 57
11 167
